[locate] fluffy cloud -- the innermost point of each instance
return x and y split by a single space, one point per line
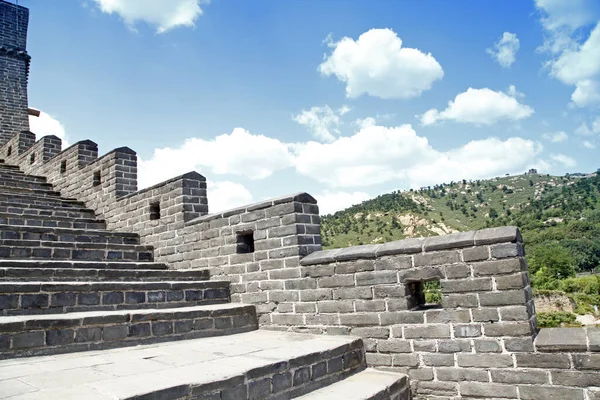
226 195
376 64
322 122
555 137
505 49
237 153
573 62
330 202
162 14
378 154
480 107
45 125
589 144
564 160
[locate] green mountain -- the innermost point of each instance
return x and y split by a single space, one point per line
559 211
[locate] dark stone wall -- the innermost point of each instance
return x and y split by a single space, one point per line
14 68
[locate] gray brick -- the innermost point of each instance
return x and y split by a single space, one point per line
499 267
484 360
549 393
402 317
467 330
421 274
485 315
457 271
476 253
452 241
516 377
487 346
508 329
487 390
516 281
586 361
505 298
405 360
447 316
376 278
507 250
561 340
350 267
427 331
406 246
437 258
459 301
393 346
437 360
543 361
461 374
466 285
497 235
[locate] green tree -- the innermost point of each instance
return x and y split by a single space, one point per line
552 261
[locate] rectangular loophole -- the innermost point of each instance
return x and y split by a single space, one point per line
97 181
425 294
155 210
9 151
245 242
31 158
63 166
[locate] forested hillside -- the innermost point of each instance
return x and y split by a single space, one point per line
559 217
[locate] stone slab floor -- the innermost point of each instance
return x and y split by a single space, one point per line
131 371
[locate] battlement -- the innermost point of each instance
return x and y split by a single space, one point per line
14 64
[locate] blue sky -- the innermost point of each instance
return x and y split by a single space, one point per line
344 100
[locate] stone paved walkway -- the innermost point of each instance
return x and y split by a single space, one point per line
126 372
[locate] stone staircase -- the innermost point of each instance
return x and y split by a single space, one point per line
85 313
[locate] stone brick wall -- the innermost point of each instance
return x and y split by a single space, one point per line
14 68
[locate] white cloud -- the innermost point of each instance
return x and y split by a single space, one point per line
585 130
555 137
330 202
376 64
589 144
226 195
45 125
322 122
162 14
505 49
564 160
378 154
574 62
587 93
480 107
237 153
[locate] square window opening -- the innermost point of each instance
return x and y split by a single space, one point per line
245 242
425 294
9 151
155 210
97 178
31 158
63 166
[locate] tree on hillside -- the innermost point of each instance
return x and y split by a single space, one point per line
553 261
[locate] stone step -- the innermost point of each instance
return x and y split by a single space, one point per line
10 183
28 335
39 236
38 266
70 210
20 176
33 298
369 384
7 196
82 252
261 365
46 193
51 221
8 274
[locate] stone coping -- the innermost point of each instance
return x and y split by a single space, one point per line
301 197
416 245
193 175
568 340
